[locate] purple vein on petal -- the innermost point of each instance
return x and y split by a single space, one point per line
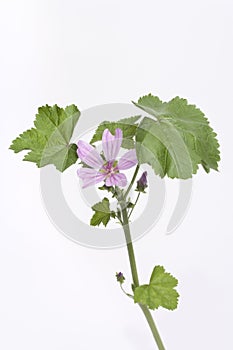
117 179
128 160
111 143
89 155
90 177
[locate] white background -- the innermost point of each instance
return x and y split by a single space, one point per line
55 294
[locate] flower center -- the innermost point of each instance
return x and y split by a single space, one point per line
110 168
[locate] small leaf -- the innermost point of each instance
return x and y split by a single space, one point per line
110 189
130 205
159 292
49 141
177 139
102 213
128 127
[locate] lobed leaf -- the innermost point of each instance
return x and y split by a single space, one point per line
49 141
177 139
102 213
159 292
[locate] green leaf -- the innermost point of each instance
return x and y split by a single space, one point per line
177 139
49 141
159 292
109 189
130 205
128 127
102 213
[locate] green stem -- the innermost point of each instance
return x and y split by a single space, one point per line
128 295
135 275
129 245
153 327
132 181
134 204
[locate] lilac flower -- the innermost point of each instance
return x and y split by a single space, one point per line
107 169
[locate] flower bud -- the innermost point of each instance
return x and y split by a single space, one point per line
142 183
120 277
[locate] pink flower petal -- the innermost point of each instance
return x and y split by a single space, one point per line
89 155
111 143
90 176
128 160
117 179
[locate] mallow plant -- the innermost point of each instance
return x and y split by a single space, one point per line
173 138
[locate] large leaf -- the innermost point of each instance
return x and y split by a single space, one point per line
49 141
177 139
159 292
128 127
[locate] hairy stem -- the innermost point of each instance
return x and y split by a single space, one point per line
129 245
134 272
